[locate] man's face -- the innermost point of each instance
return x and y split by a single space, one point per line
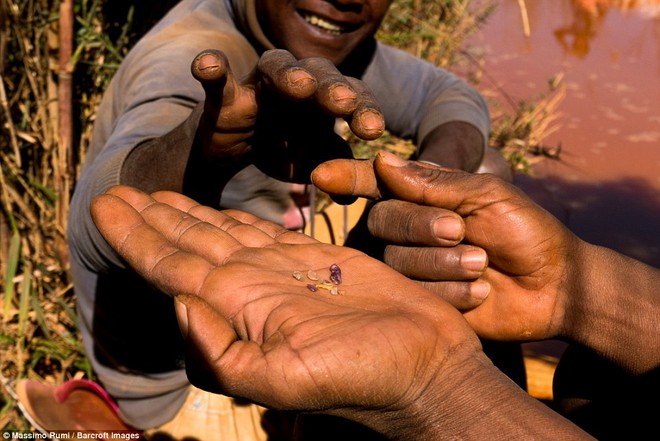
325 28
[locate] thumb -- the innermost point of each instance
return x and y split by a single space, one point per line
207 336
434 186
230 107
211 68
221 362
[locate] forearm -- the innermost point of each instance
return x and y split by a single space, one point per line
478 403
175 162
615 308
160 163
455 144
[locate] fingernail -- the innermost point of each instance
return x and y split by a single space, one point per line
296 76
474 260
448 228
342 93
207 61
182 316
392 159
372 122
479 289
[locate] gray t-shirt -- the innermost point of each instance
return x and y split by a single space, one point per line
129 329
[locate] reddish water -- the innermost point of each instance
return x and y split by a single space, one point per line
606 187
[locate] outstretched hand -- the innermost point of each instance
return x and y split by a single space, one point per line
254 330
281 117
529 251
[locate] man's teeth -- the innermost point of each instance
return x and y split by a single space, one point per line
321 23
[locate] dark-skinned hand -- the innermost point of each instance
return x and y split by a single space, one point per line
281 117
255 331
545 282
529 251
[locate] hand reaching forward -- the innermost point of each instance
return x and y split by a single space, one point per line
281 117
530 253
256 331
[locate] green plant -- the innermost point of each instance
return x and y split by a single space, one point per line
519 134
435 30
438 31
38 332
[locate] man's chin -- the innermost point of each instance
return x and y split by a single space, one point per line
335 50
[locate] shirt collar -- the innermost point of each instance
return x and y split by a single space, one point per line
245 15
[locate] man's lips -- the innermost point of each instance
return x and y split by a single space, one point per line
329 26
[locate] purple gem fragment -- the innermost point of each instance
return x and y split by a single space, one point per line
312 287
335 274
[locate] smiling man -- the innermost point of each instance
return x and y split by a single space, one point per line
222 136
330 29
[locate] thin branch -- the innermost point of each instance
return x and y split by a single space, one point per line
65 161
525 17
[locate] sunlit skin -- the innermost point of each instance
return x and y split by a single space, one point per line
330 29
298 92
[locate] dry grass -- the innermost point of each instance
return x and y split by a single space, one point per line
438 31
519 133
38 335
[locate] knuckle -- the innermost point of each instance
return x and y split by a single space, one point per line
443 263
424 263
399 222
456 294
401 259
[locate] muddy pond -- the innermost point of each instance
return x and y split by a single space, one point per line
606 184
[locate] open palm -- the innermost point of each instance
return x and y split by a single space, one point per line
254 330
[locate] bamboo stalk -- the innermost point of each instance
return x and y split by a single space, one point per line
12 266
10 124
65 157
3 93
65 103
525 17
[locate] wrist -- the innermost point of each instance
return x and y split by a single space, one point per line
614 307
440 406
475 401
456 408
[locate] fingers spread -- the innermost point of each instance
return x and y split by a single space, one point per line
347 177
273 230
189 233
260 233
334 94
407 223
282 72
147 250
367 121
205 226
